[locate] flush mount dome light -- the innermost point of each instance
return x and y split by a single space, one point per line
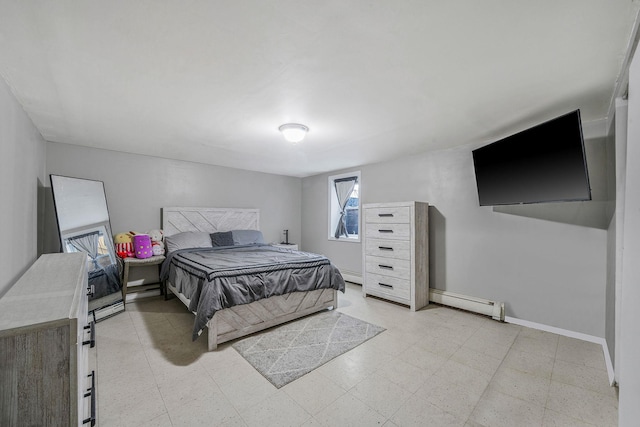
293 132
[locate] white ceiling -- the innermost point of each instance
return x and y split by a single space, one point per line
211 81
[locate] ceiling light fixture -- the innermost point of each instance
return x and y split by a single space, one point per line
293 132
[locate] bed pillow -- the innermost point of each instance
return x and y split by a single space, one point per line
247 237
222 238
187 239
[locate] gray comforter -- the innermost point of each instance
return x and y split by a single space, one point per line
217 278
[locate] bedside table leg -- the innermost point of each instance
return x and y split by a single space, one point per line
124 284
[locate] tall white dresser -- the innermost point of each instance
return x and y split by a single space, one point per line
44 346
396 252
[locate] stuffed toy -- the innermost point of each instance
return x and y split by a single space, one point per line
142 245
157 245
124 244
157 248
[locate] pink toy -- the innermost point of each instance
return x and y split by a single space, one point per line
142 245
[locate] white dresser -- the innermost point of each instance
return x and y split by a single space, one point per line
396 252
44 346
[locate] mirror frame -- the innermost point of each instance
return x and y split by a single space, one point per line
110 303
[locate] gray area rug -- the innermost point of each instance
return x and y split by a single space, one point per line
289 351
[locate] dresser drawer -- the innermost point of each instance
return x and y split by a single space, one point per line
401 214
391 267
388 231
400 249
388 287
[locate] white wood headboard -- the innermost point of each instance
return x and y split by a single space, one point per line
211 220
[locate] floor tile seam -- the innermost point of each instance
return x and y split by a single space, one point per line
138 332
368 406
583 366
569 415
242 414
367 375
147 321
495 390
253 404
418 367
212 378
334 382
496 342
604 369
310 415
456 415
484 392
443 375
467 339
546 402
176 327
477 351
127 399
158 417
516 350
285 389
411 394
191 399
395 361
586 390
117 378
146 357
546 409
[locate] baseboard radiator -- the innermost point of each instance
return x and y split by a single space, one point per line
464 302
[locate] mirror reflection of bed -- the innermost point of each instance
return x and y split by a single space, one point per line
84 226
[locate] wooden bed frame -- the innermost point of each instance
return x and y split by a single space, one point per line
242 320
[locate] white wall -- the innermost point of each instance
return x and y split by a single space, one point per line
616 236
546 272
22 153
138 186
629 372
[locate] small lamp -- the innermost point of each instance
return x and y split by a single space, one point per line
293 132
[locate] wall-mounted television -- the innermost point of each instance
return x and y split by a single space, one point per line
545 163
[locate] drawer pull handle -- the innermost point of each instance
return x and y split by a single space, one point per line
92 339
386 267
385 231
385 248
91 392
387 215
384 285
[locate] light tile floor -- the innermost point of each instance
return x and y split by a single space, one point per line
435 367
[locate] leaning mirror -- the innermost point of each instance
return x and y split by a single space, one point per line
84 226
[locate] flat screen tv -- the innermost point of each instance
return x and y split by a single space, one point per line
545 163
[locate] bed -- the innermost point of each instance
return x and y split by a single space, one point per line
267 287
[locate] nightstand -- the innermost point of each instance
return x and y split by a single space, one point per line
291 246
130 263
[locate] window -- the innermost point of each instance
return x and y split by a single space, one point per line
344 207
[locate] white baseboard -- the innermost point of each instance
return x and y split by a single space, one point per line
570 334
352 277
